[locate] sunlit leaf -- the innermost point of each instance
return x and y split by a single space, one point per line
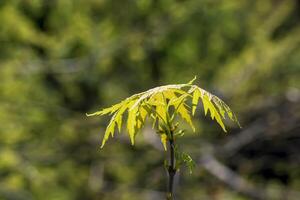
142 114
157 102
196 96
109 130
185 114
163 138
105 111
209 106
192 81
131 123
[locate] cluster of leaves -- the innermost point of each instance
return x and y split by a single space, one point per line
162 105
184 158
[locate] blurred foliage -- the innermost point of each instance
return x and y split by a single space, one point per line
61 58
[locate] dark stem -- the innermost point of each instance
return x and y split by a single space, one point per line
171 168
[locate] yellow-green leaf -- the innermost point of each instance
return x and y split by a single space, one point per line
208 105
131 123
164 138
196 96
184 113
105 111
141 116
192 81
156 103
109 130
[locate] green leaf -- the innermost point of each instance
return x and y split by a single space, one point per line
183 158
188 161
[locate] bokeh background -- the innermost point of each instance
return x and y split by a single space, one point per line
62 58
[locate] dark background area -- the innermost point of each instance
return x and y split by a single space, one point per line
61 58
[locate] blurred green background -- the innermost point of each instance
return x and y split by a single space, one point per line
62 58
